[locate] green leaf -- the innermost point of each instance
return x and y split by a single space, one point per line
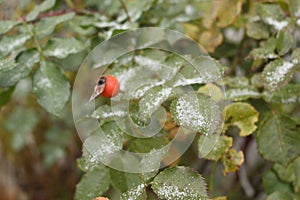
202 69
73 61
295 58
152 100
7 25
232 160
10 43
266 50
280 195
196 112
102 144
277 73
270 10
151 162
285 95
223 144
11 72
206 144
272 15
124 181
236 81
279 139
213 91
136 193
256 80
47 25
290 173
62 47
179 183
257 30
272 183
81 164
46 5
284 42
21 123
285 173
29 58
93 184
51 88
241 94
135 9
145 145
294 6
243 115
105 113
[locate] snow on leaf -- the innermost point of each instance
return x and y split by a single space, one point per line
11 72
105 112
150 102
136 193
102 144
93 184
62 47
240 94
9 43
51 88
179 183
277 74
278 25
287 94
196 112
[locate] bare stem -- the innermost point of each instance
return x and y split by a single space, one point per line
37 44
212 177
125 9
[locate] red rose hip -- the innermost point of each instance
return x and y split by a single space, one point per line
107 86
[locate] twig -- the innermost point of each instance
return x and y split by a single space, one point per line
125 9
212 177
37 44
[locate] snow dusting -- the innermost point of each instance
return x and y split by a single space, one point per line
141 91
44 82
144 61
135 192
105 115
277 75
101 147
184 81
189 115
276 24
241 92
13 42
171 192
157 98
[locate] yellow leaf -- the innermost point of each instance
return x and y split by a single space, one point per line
232 161
210 40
